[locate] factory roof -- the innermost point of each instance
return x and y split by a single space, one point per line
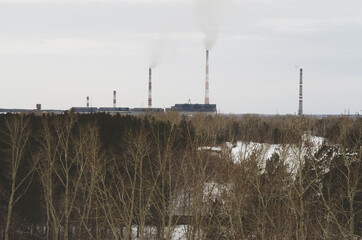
188 107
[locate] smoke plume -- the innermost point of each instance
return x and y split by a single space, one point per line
160 47
156 51
207 15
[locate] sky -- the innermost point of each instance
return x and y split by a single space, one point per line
58 52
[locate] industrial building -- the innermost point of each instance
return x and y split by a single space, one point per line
84 109
15 111
190 109
117 110
187 109
148 110
38 110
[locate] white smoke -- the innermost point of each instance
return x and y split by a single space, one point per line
160 46
156 51
207 15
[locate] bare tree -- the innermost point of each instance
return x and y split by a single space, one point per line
125 189
90 161
60 166
47 158
17 132
168 177
339 185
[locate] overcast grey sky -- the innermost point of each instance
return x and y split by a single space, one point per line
57 52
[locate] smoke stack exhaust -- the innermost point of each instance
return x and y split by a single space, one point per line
207 100
114 99
87 102
300 110
150 88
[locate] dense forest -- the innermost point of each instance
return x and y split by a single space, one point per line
101 176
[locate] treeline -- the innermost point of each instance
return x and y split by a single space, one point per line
99 176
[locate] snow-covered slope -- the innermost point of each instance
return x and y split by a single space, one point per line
292 154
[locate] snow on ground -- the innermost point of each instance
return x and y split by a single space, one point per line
244 150
180 232
291 154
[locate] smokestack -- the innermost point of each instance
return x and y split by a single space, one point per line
300 111
150 89
87 102
207 100
114 99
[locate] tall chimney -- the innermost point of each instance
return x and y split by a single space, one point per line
300 111
87 101
150 89
207 100
114 99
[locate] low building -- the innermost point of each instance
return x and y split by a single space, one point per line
190 109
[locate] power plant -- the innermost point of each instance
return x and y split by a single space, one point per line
186 108
183 108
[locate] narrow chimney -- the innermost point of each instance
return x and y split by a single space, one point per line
150 89
300 111
114 99
207 100
87 102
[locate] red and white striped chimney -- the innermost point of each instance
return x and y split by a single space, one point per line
150 88
87 101
114 99
207 100
300 110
